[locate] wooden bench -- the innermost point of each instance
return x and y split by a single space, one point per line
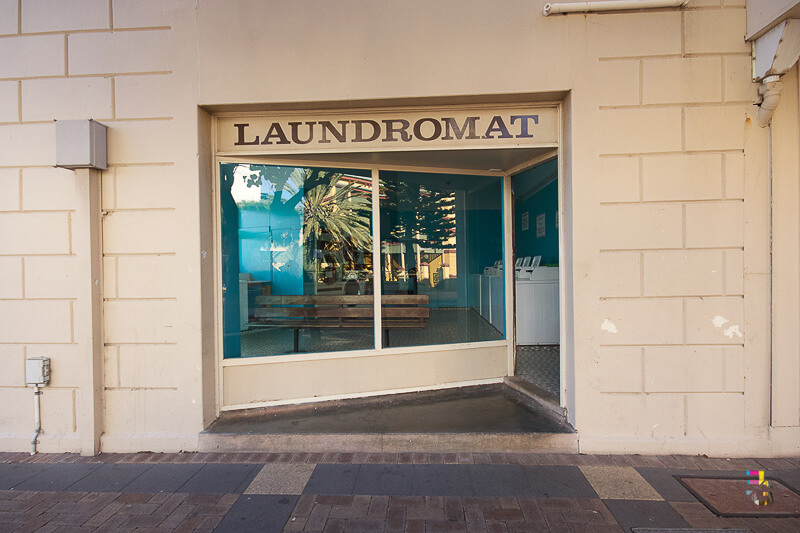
341 311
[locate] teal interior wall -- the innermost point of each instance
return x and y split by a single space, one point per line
484 226
536 192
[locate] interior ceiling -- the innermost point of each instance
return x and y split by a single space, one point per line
494 160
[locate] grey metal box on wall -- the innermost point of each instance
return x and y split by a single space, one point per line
37 370
81 144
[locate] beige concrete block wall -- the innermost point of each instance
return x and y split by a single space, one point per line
37 262
71 61
685 329
667 181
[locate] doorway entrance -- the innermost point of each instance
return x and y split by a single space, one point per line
536 278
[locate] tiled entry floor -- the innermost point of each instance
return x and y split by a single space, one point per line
540 365
368 492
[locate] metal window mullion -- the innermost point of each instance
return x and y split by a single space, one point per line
377 267
509 272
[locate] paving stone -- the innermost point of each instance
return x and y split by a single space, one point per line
557 482
453 509
279 478
163 478
258 512
360 506
57 477
332 479
499 480
178 515
335 525
404 458
378 507
503 514
109 478
220 478
395 519
134 498
316 520
35 524
664 482
391 480
619 483
441 480
415 526
515 492
697 515
635 513
143 521
104 513
791 478
427 508
13 474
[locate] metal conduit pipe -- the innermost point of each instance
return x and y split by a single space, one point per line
770 91
37 414
609 5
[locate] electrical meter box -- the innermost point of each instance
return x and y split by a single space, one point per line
37 370
81 144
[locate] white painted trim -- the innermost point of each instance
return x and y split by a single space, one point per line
508 270
377 267
411 149
217 222
284 158
316 399
311 112
522 167
321 356
563 257
289 161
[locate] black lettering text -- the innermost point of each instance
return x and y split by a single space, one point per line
523 126
395 125
497 126
437 129
327 127
275 131
450 122
240 138
296 136
359 138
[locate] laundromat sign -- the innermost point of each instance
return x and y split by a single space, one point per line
396 130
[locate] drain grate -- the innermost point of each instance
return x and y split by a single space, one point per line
734 497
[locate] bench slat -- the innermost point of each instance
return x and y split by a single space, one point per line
330 323
344 312
342 299
313 312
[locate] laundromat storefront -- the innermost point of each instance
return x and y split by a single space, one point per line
353 247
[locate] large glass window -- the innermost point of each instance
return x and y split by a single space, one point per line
296 259
442 249
297 264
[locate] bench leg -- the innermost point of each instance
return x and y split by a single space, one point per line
385 337
296 340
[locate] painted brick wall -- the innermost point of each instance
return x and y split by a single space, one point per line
670 229
110 61
674 340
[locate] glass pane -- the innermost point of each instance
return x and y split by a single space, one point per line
296 259
441 258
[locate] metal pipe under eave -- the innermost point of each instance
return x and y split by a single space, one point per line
609 5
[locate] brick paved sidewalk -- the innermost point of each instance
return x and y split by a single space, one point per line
369 492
